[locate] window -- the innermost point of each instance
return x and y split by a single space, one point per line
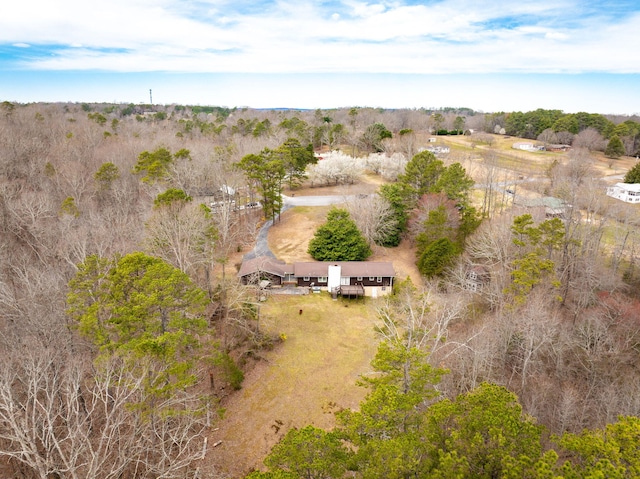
379 279
359 278
371 278
322 279
306 278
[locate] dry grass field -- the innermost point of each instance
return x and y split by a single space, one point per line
526 162
289 238
368 184
313 372
304 380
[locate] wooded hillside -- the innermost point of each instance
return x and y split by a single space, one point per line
122 322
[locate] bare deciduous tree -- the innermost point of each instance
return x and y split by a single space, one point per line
59 419
548 137
374 217
565 137
590 139
182 235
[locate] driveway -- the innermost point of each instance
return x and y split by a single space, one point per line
316 200
262 245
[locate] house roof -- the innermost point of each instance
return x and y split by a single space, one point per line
522 144
316 268
348 268
265 264
548 201
629 186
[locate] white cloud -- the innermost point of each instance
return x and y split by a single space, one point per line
354 36
556 35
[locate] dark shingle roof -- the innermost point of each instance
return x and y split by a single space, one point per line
266 264
316 268
348 268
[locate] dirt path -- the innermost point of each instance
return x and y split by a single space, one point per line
308 377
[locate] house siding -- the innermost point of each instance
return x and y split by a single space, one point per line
274 278
377 291
353 281
629 193
365 281
375 277
312 279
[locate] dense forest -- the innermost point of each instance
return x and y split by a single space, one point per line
122 320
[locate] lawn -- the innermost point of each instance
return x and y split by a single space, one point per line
289 241
289 238
304 380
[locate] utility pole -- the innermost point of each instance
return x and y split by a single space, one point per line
150 97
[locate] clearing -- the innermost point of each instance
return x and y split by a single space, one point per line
310 375
289 240
313 372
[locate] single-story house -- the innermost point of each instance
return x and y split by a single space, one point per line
558 147
525 145
553 207
349 278
627 192
436 150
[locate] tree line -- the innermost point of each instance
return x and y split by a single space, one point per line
405 427
591 130
122 323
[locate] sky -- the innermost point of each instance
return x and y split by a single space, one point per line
571 55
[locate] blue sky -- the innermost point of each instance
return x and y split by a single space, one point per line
571 55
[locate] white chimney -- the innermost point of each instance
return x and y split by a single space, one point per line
333 280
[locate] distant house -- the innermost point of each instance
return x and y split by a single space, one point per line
348 278
627 192
553 207
558 147
228 190
436 150
524 145
476 278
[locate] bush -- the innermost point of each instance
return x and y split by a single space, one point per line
436 257
339 239
232 373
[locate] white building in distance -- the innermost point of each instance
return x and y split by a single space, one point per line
627 192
